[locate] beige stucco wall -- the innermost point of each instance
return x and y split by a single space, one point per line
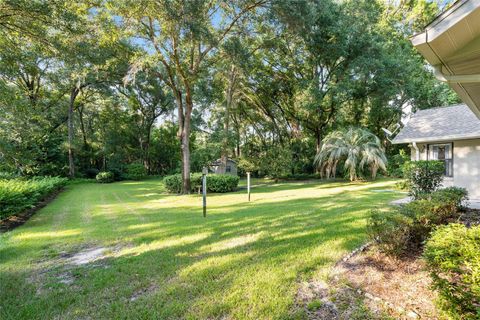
466 165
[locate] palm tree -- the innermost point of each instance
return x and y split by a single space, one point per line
357 147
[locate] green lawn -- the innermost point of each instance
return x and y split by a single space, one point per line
163 260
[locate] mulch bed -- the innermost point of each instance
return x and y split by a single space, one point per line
369 279
18 219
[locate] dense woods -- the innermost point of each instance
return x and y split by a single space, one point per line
173 85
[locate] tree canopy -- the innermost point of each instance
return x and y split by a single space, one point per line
175 85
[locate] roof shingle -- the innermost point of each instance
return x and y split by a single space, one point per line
455 122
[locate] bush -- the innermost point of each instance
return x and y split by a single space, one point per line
8 175
453 258
173 183
396 163
91 173
455 196
105 177
246 165
391 230
117 172
222 183
135 171
17 195
215 182
424 177
406 228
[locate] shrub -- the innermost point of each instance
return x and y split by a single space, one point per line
453 258
91 173
135 171
105 177
17 195
424 177
391 230
396 163
118 174
215 182
8 175
454 196
246 165
406 228
173 183
222 183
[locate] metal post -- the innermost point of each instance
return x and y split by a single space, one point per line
248 185
204 190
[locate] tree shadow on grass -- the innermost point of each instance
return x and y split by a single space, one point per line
245 263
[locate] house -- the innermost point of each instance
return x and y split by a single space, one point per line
451 45
449 134
219 168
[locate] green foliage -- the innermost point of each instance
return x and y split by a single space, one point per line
91 173
301 176
7 175
275 162
423 176
105 177
135 171
391 229
456 196
254 80
355 148
452 256
221 183
246 165
17 195
218 183
405 228
173 183
396 163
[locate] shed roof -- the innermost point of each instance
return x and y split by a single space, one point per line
219 162
455 122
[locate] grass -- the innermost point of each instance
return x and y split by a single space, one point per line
164 261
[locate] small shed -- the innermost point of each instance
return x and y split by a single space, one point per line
219 168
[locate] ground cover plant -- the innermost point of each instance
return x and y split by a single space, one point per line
130 250
453 259
17 195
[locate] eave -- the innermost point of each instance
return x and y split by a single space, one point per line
451 44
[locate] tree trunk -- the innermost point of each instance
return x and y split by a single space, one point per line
318 142
183 135
71 163
186 141
146 154
226 124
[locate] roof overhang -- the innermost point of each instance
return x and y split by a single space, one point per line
451 44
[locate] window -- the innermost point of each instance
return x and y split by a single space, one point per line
442 152
229 169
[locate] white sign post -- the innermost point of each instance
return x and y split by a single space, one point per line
248 185
204 190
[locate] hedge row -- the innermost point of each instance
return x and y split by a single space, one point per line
405 228
17 195
215 182
133 171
